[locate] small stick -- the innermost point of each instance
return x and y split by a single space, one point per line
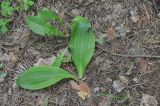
133 56
146 11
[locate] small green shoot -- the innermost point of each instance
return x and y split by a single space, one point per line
114 97
59 59
6 8
3 25
26 4
100 40
40 24
1 65
46 101
2 76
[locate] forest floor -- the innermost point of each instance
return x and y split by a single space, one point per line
125 68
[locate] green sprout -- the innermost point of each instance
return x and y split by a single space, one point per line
3 25
6 8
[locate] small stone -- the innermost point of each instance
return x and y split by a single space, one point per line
148 100
96 89
118 86
135 80
75 12
134 16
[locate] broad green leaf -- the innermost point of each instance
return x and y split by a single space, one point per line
82 43
42 76
49 15
40 24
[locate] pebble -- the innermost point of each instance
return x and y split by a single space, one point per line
118 86
75 12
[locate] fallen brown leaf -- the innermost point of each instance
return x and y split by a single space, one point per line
82 94
143 64
74 85
146 11
82 87
110 34
123 79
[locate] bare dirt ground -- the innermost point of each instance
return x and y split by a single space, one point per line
129 57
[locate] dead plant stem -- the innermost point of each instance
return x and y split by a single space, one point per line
133 56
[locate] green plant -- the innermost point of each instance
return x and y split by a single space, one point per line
82 45
27 4
6 8
41 25
3 25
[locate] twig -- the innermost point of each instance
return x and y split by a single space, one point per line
133 56
146 11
